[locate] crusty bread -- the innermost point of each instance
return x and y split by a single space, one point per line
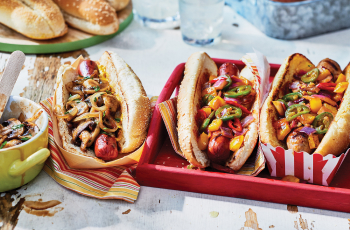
135 104
118 4
92 16
37 19
336 139
238 159
199 67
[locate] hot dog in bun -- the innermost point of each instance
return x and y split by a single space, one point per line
102 108
308 107
218 113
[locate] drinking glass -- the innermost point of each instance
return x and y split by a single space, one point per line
157 14
201 21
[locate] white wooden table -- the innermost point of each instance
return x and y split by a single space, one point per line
153 54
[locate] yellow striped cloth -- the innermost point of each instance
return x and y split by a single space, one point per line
106 183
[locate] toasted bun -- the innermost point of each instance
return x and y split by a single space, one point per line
239 158
118 4
198 68
37 19
135 104
336 139
92 16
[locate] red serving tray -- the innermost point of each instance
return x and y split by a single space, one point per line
161 167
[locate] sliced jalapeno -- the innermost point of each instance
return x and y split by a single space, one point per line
230 113
322 122
239 91
292 96
295 111
311 76
207 121
229 82
207 98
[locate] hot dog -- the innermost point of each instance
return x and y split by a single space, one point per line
102 108
307 108
218 111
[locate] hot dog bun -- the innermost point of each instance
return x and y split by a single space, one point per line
239 158
36 19
337 137
197 71
118 4
92 16
199 67
135 105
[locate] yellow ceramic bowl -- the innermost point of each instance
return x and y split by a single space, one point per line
22 163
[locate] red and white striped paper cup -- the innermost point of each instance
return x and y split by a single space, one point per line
314 168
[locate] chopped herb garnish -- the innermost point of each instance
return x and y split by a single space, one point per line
17 126
117 119
86 78
25 138
95 99
66 112
309 65
3 144
104 128
104 113
80 75
190 166
96 88
109 92
70 95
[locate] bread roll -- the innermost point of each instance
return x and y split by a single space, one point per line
92 16
118 4
37 19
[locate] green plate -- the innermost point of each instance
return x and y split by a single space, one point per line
64 46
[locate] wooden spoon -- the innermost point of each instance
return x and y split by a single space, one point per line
9 77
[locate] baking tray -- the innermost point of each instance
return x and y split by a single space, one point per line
294 20
161 167
75 39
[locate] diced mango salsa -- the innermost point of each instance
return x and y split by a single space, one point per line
215 125
216 103
341 78
209 90
315 104
313 141
203 141
341 87
236 143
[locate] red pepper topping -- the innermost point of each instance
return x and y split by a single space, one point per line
326 86
234 103
235 125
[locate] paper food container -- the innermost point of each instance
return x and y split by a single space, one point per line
313 168
79 161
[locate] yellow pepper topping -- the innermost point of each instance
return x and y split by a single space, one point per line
203 141
315 104
215 125
341 78
236 143
207 110
341 87
209 90
216 103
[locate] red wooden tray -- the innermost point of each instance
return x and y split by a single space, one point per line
161 167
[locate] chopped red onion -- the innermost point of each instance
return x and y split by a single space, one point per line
243 132
226 132
325 93
236 79
299 100
308 130
220 84
294 123
295 85
290 103
205 86
234 85
232 99
247 121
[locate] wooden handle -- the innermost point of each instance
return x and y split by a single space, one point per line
9 77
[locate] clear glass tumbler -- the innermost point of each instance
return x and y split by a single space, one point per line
157 14
201 21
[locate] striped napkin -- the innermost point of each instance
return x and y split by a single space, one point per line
107 183
255 163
